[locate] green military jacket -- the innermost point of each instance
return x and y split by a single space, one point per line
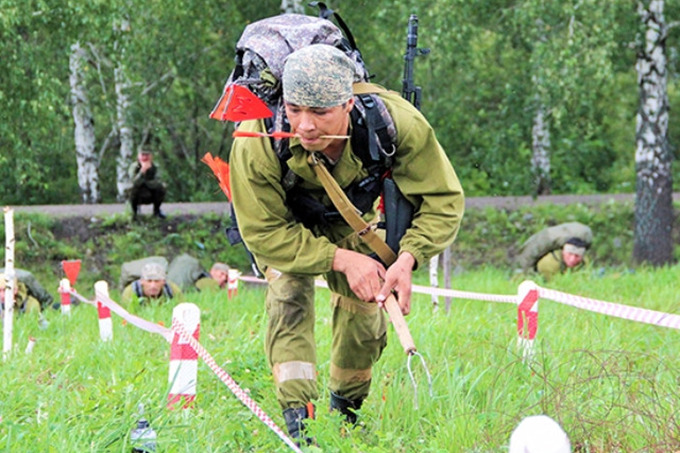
422 171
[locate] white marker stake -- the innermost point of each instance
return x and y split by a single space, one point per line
232 282
527 317
29 346
105 326
64 290
9 283
183 358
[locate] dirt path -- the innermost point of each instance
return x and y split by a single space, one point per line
222 207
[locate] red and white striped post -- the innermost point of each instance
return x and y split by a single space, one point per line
65 292
101 289
232 282
527 317
183 359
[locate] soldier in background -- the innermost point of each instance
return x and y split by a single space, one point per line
23 301
152 286
147 188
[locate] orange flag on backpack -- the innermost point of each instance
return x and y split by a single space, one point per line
221 170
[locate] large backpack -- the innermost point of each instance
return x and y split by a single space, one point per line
260 56
549 239
184 270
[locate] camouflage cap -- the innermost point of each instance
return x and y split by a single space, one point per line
318 76
220 267
153 271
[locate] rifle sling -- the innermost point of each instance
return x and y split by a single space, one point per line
350 213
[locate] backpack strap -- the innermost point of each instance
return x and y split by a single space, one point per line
349 212
137 288
168 290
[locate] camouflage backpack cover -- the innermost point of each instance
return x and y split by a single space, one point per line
184 270
262 49
549 239
132 270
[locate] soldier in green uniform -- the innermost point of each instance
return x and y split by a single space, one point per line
569 256
147 188
317 90
23 301
152 286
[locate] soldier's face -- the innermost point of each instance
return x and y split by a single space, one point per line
152 288
571 259
220 277
313 122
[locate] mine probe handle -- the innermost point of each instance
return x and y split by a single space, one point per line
399 323
409 90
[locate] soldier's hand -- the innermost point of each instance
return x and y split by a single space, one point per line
398 279
364 274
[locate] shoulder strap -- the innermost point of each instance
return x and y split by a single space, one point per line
168 290
349 212
137 288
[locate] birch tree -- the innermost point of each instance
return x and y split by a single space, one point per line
125 131
654 183
84 132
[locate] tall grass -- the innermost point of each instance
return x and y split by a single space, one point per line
611 383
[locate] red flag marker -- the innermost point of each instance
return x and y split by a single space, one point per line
71 269
238 103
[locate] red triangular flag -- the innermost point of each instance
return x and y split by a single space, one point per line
221 170
238 103
71 269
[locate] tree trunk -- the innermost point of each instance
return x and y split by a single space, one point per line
540 156
86 157
654 203
122 108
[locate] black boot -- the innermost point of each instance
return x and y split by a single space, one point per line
346 407
295 417
135 208
157 212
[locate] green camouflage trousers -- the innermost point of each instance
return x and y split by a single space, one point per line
359 337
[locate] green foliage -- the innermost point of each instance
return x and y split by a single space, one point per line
488 63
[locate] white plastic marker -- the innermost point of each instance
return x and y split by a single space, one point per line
65 291
232 282
527 317
8 323
105 326
183 358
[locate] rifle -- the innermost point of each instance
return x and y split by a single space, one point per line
398 210
410 91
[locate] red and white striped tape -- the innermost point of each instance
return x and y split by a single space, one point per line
643 315
177 328
233 386
183 373
101 288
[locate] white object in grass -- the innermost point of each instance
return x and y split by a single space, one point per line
539 434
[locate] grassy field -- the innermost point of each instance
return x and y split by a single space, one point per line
611 383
